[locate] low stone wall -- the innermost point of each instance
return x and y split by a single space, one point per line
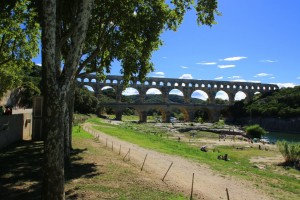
15 128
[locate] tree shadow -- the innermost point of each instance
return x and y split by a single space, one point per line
21 170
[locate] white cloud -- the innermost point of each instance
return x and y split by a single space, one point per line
164 57
184 67
239 80
89 88
206 63
236 58
222 95
186 76
176 92
298 77
159 74
262 75
253 81
38 64
272 77
225 66
285 85
130 91
219 78
234 77
268 61
240 96
198 94
243 80
153 91
106 87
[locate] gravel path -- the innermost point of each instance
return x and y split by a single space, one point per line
208 184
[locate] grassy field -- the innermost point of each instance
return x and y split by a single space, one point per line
280 182
97 173
111 178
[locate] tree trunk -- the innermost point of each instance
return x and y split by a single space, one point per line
54 109
56 85
68 126
53 187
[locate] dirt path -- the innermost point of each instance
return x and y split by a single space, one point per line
207 184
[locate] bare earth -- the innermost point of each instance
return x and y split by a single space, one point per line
208 184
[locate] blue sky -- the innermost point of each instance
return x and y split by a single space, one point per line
253 40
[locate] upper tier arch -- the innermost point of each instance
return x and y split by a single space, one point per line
187 86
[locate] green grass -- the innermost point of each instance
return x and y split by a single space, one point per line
79 133
239 164
117 180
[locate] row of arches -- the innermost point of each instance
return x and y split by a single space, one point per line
170 114
187 83
196 94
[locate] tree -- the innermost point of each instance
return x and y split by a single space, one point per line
85 36
19 35
255 131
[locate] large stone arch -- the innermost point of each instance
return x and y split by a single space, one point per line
175 91
240 95
200 94
223 95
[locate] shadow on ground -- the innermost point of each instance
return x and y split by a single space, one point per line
21 170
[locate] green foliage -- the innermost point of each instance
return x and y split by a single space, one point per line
283 103
255 131
85 101
132 32
219 124
31 85
19 34
290 151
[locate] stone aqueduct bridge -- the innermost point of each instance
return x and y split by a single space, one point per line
165 85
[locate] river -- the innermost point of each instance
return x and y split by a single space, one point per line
291 137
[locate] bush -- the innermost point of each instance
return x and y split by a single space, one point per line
255 131
290 151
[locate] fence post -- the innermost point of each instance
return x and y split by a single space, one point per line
167 172
191 197
144 162
227 194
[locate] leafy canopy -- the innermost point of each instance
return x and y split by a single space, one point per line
129 31
19 35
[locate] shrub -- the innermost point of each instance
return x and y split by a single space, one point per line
290 151
255 131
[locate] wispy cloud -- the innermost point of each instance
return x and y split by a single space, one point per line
164 57
186 76
38 64
159 74
298 77
239 80
219 78
234 77
268 61
184 67
262 75
225 66
235 58
243 80
273 77
206 63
